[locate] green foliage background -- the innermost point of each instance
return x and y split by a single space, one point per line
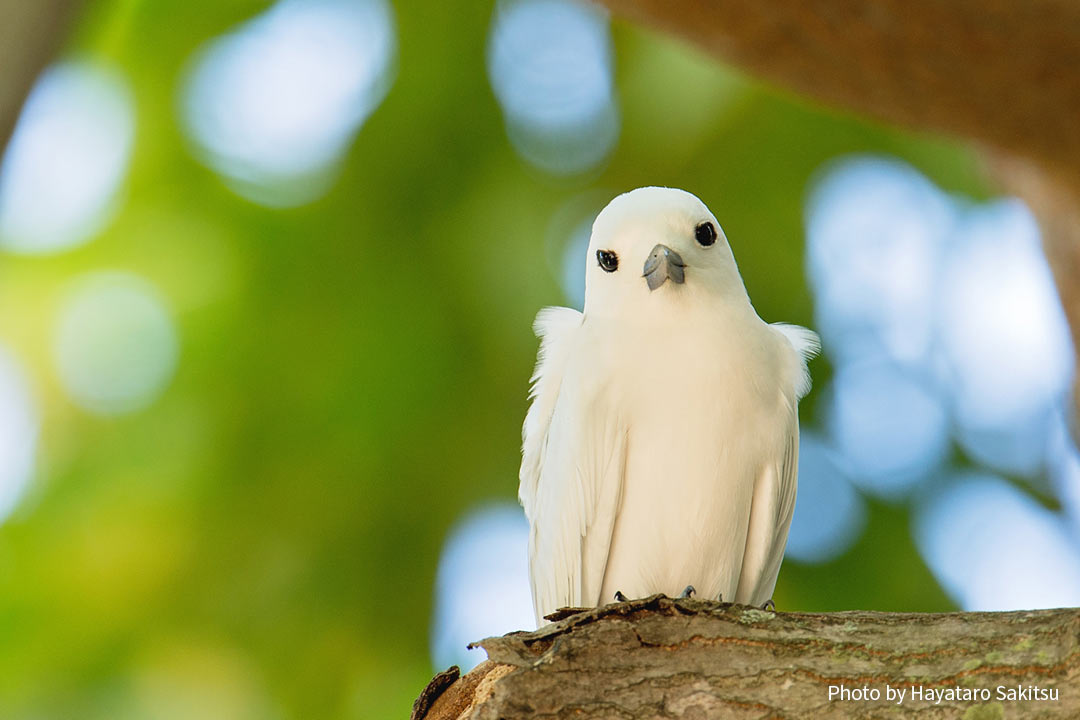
262 541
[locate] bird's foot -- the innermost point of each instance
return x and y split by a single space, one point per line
688 592
619 597
769 605
720 597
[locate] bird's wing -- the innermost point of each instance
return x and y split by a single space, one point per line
555 326
774 490
801 346
571 472
770 519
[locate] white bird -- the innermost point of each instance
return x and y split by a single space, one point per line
661 445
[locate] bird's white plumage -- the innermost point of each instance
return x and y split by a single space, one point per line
661 446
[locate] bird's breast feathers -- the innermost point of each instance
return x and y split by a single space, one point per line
644 449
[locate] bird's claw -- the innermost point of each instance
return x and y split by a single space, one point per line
688 592
720 597
769 605
619 597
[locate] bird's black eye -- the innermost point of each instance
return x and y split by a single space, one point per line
705 234
608 260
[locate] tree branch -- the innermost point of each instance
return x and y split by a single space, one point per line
660 657
1003 72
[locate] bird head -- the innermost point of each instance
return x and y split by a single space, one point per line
658 246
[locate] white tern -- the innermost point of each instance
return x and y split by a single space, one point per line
661 445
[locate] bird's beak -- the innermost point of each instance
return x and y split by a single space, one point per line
663 263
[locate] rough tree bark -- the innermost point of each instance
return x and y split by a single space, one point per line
664 658
1002 73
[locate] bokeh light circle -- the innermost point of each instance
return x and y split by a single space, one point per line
890 426
115 346
994 548
482 587
1005 336
573 263
550 67
67 159
829 512
1063 465
18 434
875 229
273 105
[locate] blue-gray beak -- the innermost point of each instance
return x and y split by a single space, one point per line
663 263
